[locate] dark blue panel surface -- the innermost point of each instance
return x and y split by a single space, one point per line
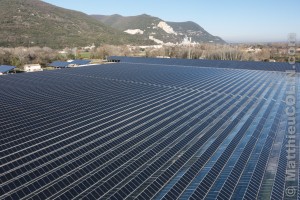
155 130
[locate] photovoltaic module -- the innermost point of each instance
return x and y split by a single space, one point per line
150 129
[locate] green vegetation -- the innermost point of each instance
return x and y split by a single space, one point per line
147 24
33 55
132 22
23 55
31 23
36 23
84 55
198 34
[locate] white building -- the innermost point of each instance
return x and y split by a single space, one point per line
32 68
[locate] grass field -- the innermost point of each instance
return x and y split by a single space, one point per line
84 55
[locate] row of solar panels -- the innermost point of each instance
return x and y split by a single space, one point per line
249 65
59 64
139 131
64 64
6 68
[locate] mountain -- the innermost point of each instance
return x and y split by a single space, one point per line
36 23
157 29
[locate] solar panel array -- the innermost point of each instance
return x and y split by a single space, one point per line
144 131
60 64
6 68
80 62
63 64
265 66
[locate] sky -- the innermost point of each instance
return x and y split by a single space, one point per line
233 20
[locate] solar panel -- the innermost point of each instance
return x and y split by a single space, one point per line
59 64
247 65
6 68
146 130
81 62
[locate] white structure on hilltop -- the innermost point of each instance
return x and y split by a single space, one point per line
134 31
